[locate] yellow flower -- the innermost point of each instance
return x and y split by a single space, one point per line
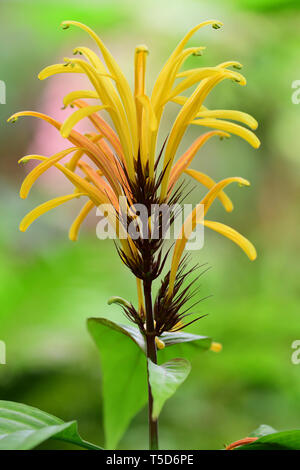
114 153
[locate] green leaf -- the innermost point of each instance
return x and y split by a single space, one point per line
180 337
165 380
124 374
285 440
183 344
23 427
123 364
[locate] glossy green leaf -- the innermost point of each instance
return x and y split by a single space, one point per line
165 380
124 375
285 440
179 337
183 345
23 427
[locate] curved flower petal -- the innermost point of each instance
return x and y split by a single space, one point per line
218 188
75 227
75 117
105 129
159 88
226 126
140 58
245 118
47 206
210 183
108 96
140 295
58 68
76 95
40 169
185 160
234 236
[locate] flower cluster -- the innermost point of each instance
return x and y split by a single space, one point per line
121 162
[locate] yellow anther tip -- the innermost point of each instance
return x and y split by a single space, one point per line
12 119
216 347
64 24
159 343
217 24
141 48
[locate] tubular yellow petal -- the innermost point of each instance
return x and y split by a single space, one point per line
27 158
58 68
75 95
185 160
43 208
75 227
71 165
121 82
101 81
215 23
234 236
94 60
193 78
148 127
178 62
75 117
140 59
91 56
185 54
230 114
145 102
100 183
180 100
209 183
40 169
102 126
226 126
16 116
140 295
231 63
81 184
97 196
192 74
178 325
165 81
217 188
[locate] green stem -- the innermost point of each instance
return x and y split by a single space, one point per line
151 354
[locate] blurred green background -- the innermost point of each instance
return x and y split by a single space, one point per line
49 286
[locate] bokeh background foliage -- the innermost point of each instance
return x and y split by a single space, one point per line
49 286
